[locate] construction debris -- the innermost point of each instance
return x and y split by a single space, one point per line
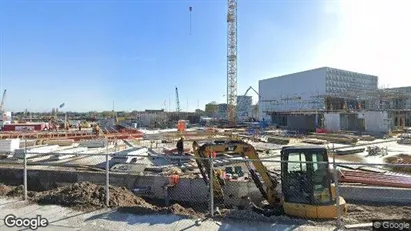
399 159
375 151
278 140
405 139
62 142
374 178
335 138
314 141
349 151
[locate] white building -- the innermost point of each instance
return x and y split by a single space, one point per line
244 107
307 90
6 118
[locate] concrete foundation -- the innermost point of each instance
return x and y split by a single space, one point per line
188 190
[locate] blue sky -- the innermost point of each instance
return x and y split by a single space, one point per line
89 53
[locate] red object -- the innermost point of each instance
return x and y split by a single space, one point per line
321 130
174 179
377 179
24 127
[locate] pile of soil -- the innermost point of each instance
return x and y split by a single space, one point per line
4 189
12 191
86 196
399 159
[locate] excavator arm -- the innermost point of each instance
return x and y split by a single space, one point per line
268 188
268 184
202 154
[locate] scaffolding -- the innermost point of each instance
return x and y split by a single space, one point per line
381 99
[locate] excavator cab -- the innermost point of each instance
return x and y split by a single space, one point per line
307 183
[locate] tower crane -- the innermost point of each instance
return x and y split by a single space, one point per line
3 98
177 103
2 111
232 60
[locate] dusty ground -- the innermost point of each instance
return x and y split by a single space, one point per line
349 158
87 197
366 213
399 159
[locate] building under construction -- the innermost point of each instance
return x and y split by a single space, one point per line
334 99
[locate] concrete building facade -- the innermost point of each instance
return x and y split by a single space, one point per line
244 107
308 90
222 111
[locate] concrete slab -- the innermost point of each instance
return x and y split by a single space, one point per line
66 219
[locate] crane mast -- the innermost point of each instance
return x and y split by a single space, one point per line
2 101
177 102
232 60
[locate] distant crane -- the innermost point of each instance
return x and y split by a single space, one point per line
2 111
3 98
251 88
245 94
177 103
232 60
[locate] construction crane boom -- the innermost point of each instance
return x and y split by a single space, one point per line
177 102
3 98
232 60
251 88
241 102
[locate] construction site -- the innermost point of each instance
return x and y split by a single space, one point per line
330 153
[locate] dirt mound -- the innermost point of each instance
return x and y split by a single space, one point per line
17 191
88 196
399 159
180 210
4 189
13 191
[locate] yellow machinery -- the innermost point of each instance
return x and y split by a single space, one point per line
85 124
307 188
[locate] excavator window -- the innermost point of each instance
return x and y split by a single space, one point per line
321 179
297 180
306 183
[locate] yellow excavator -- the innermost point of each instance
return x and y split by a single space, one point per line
307 185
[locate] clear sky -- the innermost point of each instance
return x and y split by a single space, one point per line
89 53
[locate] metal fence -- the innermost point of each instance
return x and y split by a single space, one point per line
378 191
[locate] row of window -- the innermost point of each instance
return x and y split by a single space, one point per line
342 73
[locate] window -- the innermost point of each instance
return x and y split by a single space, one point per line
298 184
292 167
321 179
